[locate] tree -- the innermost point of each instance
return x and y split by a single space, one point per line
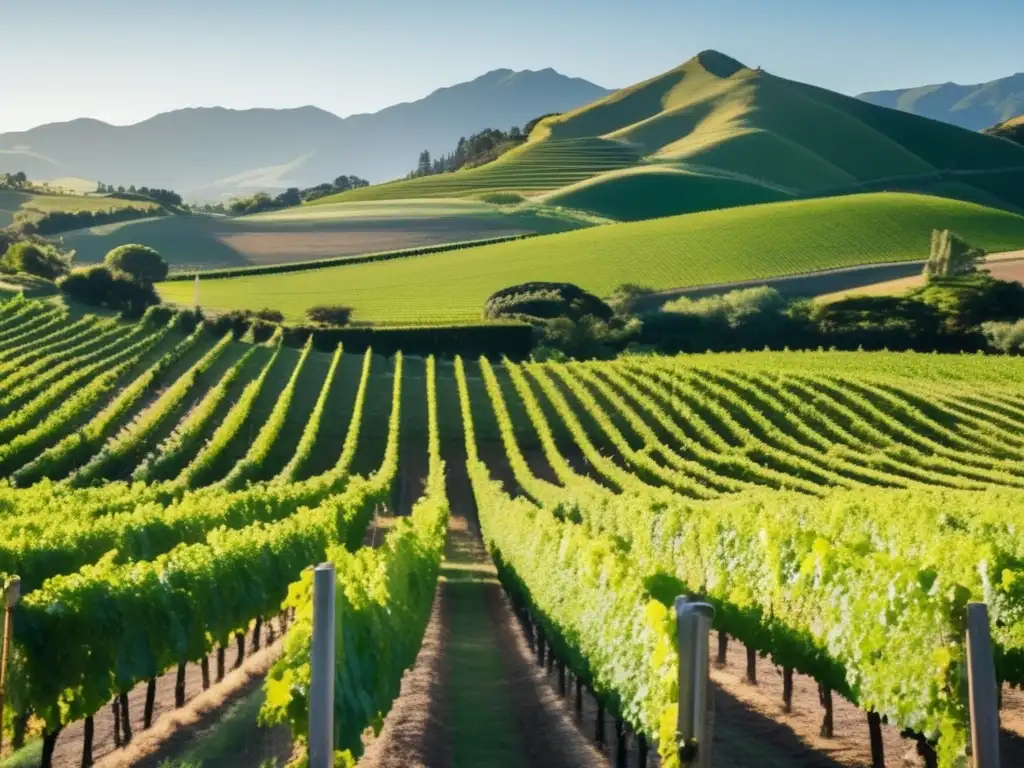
33 259
951 256
140 262
100 286
291 196
424 165
330 315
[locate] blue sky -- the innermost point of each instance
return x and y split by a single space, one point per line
124 60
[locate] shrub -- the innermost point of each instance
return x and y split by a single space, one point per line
627 298
503 198
968 301
336 316
1005 337
98 286
588 337
545 301
269 315
140 262
33 259
876 322
733 308
158 315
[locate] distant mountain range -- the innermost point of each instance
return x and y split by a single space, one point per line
206 153
969 106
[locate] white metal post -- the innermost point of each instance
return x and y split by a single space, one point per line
693 626
984 694
321 689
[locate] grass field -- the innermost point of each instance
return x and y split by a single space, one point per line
311 232
703 248
714 116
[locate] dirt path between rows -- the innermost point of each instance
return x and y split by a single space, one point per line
474 696
166 718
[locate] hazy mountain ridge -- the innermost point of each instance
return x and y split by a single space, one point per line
974 107
211 151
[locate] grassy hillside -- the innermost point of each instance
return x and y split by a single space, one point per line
532 168
34 205
648 192
714 116
696 249
311 232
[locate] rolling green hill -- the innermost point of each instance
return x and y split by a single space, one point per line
741 135
713 247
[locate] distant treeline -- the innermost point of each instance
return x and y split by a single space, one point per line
261 201
32 222
167 197
478 149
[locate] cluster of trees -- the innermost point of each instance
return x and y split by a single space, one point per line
960 308
165 197
261 201
477 149
52 222
31 257
13 180
124 282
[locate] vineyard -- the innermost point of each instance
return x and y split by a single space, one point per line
168 490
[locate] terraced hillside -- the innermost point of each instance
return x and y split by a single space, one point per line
804 494
707 248
751 135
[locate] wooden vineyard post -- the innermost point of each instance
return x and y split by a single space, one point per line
87 736
126 720
256 634
723 648
751 665
825 697
877 746
787 689
579 698
179 686
621 753
981 681
641 750
147 712
694 727
12 592
599 723
204 668
240 656
321 693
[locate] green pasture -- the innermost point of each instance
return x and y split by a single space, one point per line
697 249
317 231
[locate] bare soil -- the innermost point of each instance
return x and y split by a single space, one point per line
262 247
68 751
